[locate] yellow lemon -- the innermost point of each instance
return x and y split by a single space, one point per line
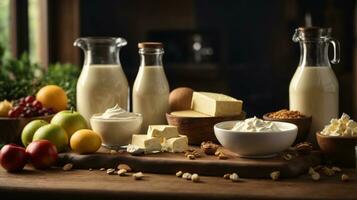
53 96
85 141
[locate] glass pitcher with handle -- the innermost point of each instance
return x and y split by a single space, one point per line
314 87
102 83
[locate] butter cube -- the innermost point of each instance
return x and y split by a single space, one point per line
177 144
163 131
215 104
149 144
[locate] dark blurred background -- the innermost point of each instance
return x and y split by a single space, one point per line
242 48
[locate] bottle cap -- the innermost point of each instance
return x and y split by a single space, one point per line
150 45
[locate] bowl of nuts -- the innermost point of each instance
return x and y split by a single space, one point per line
303 122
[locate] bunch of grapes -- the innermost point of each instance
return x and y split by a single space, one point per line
29 107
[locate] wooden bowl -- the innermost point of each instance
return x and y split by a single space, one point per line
11 128
303 125
338 149
199 129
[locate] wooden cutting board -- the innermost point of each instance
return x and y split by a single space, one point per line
170 163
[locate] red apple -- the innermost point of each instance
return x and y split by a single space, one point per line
13 157
42 154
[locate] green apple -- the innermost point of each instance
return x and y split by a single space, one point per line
30 129
70 121
53 133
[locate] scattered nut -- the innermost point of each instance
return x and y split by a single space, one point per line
303 148
186 176
209 147
67 167
345 178
191 156
122 172
315 176
234 177
195 178
226 176
311 171
124 166
121 151
179 173
217 153
328 171
90 169
222 156
197 154
336 169
102 169
110 171
112 151
287 156
275 175
138 176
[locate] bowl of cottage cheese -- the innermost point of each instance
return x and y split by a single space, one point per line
338 141
256 138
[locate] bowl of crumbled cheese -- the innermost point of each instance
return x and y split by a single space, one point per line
338 141
256 138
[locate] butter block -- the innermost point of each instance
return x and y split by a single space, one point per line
177 144
149 144
162 131
188 113
215 104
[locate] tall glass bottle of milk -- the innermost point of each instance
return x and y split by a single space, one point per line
102 83
151 89
314 87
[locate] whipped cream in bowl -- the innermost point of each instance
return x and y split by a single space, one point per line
116 126
256 138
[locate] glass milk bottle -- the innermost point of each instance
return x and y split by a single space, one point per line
314 87
151 89
102 83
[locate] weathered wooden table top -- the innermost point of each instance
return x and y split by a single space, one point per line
85 184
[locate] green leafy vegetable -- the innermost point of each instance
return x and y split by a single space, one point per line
20 77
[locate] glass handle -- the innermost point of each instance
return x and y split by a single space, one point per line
296 37
336 51
81 43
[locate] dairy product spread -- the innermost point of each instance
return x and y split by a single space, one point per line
255 125
116 126
341 127
215 104
116 112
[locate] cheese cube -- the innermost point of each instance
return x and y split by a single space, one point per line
149 144
163 131
214 104
177 144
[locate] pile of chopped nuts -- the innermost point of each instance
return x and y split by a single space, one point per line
192 154
209 147
286 114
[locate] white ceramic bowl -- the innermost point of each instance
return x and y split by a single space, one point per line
256 144
116 132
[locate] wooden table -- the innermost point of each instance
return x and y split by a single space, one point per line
85 184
